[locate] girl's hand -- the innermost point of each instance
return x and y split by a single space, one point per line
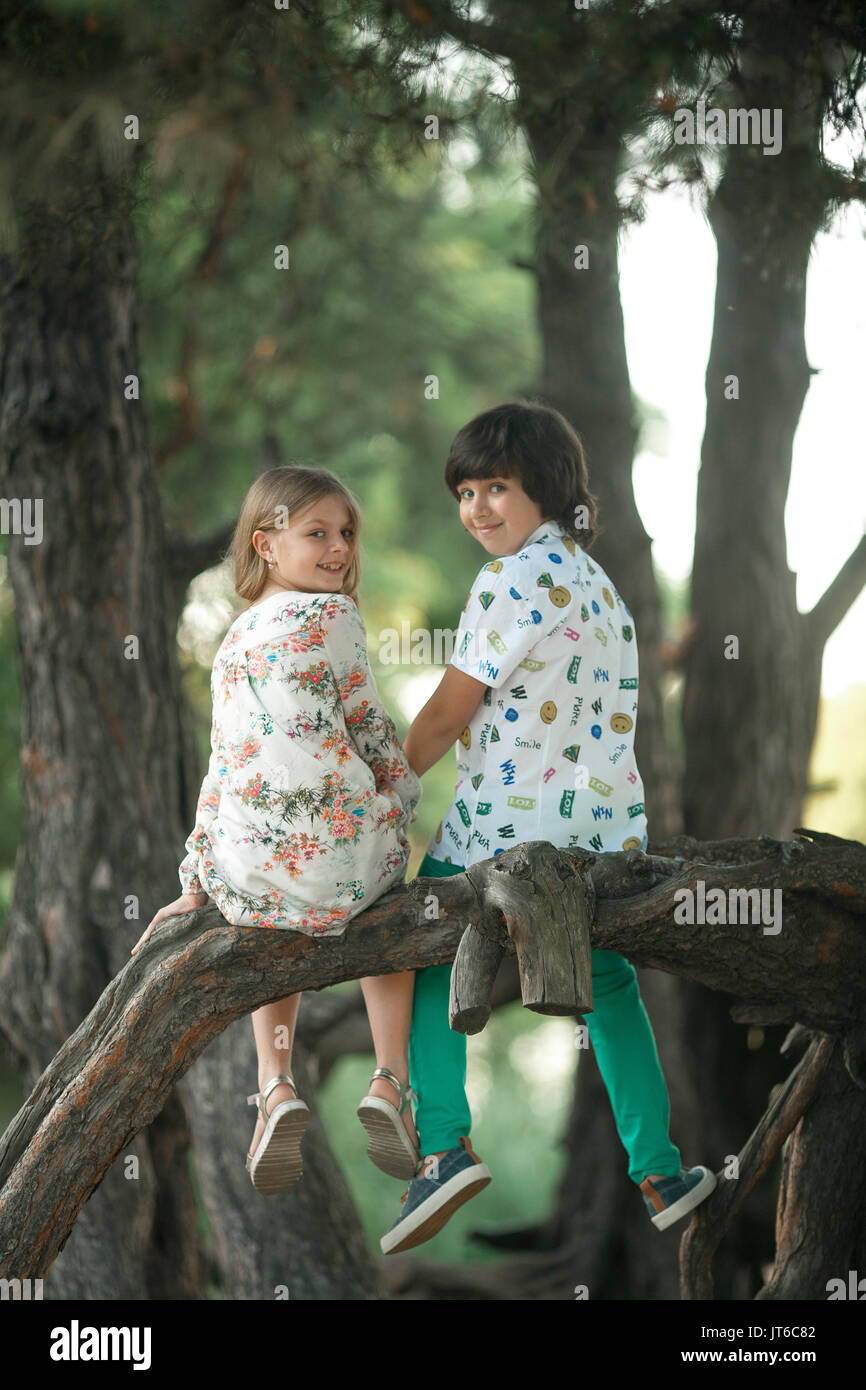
187 902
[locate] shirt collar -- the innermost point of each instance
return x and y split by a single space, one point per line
545 530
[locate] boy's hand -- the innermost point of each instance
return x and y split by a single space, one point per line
443 719
187 902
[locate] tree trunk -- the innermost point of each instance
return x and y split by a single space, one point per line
109 769
102 744
749 714
821 1222
753 669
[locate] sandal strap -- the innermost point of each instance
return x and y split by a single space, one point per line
259 1097
405 1092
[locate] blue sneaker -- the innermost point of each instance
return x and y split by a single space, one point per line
442 1185
668 1199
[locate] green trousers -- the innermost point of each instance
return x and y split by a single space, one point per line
619 1031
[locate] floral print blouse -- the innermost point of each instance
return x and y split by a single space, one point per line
302 816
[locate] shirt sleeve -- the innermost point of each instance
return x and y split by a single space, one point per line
507 613
368 723
198 842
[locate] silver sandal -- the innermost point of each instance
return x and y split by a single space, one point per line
389 1147
277 1163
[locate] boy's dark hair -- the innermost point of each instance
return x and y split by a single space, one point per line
535 443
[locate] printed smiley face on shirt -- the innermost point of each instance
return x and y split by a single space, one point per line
465 736
631 843
608 597
559 596
548 711
621 723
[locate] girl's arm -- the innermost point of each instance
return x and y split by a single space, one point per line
198 842
368 723
443 719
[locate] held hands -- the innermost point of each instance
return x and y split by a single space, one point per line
187 902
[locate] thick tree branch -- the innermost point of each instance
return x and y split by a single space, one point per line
837 598
197 974
706 1229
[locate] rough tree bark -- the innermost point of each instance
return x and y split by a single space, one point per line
167 1005
100 730
105 726
749 722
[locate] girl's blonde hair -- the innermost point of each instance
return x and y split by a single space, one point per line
279 490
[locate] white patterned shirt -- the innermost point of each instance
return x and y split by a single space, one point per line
549 753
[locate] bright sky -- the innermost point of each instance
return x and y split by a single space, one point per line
668 267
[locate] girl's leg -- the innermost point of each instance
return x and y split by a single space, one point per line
625 1050
389 1009
274 1031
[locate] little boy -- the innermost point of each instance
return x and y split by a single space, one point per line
542 694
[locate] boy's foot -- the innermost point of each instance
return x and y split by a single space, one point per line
442 1185
669 1199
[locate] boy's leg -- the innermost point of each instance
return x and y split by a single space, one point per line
437 1055
625 1050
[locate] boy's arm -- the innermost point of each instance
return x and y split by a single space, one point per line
443 719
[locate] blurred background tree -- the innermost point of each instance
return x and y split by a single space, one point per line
410 257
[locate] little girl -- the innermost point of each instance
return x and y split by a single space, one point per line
302 816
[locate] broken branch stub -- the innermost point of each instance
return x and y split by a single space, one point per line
546 906
474 972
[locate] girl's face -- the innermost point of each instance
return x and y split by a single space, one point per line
313 551
498 513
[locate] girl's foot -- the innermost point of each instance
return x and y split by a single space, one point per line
386 1091
385 1112
277 1096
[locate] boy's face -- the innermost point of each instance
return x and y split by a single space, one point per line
498 513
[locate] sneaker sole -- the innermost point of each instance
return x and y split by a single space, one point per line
277 1163
388 1148
424 1223
685 1204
